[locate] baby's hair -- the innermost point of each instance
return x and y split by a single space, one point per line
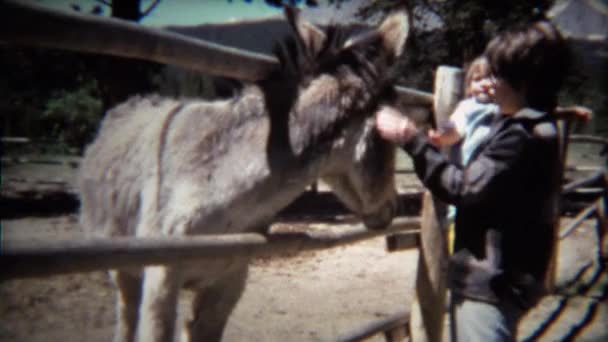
479 66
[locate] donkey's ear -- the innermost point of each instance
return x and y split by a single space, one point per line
310 38
394 31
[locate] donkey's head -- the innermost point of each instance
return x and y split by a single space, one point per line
342 81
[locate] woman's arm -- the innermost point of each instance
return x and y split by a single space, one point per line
484 177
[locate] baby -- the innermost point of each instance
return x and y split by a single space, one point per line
470 122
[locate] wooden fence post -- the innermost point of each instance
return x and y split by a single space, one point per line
428 308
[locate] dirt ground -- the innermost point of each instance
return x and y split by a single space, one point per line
312 296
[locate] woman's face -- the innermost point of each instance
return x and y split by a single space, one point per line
508 99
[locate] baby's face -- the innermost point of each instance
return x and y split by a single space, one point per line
483 88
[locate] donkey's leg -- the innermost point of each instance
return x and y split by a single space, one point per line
158 309
128 296
212 306
161 284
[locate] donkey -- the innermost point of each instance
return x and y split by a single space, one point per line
165 167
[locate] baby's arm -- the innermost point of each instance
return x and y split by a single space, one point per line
445 135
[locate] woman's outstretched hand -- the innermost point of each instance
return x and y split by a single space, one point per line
394 126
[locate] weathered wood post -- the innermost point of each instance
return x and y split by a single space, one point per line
564 140
428 308
602 222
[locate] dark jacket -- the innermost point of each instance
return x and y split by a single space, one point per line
510 187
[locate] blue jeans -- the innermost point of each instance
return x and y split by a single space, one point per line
476 321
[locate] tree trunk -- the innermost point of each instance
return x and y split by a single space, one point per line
126 9
119 78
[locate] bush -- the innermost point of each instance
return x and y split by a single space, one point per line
72 117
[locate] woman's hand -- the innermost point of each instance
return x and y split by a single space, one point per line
394 126
577 113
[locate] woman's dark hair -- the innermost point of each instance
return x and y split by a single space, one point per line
536 58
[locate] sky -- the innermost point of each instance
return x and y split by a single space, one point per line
192 12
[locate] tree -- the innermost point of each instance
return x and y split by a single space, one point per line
281 3
123 9
118 78
467 24
59 95
453 32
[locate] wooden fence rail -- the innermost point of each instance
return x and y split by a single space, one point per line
583 138
427 310
24 259
594 208
147 43
391 326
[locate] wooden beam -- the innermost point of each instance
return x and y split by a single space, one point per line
401 241
602 227
580 217
23 259
34 25
15 140
428 308
388 324
592 139
111 36
409 96
564 127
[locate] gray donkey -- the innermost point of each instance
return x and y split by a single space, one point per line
163 167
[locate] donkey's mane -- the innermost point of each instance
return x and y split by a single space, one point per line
303 65
299 68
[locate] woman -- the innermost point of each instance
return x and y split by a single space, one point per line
506 196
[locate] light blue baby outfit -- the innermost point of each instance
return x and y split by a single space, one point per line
472 120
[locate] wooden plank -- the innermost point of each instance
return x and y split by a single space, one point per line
109 36
15 140
580 217
23 259
428 308
23 197
564 138
389 324
397 334
409 96
401 241
602 226
592 139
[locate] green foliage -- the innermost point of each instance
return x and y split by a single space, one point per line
53 96
72 117
468 24
30 77
461 30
